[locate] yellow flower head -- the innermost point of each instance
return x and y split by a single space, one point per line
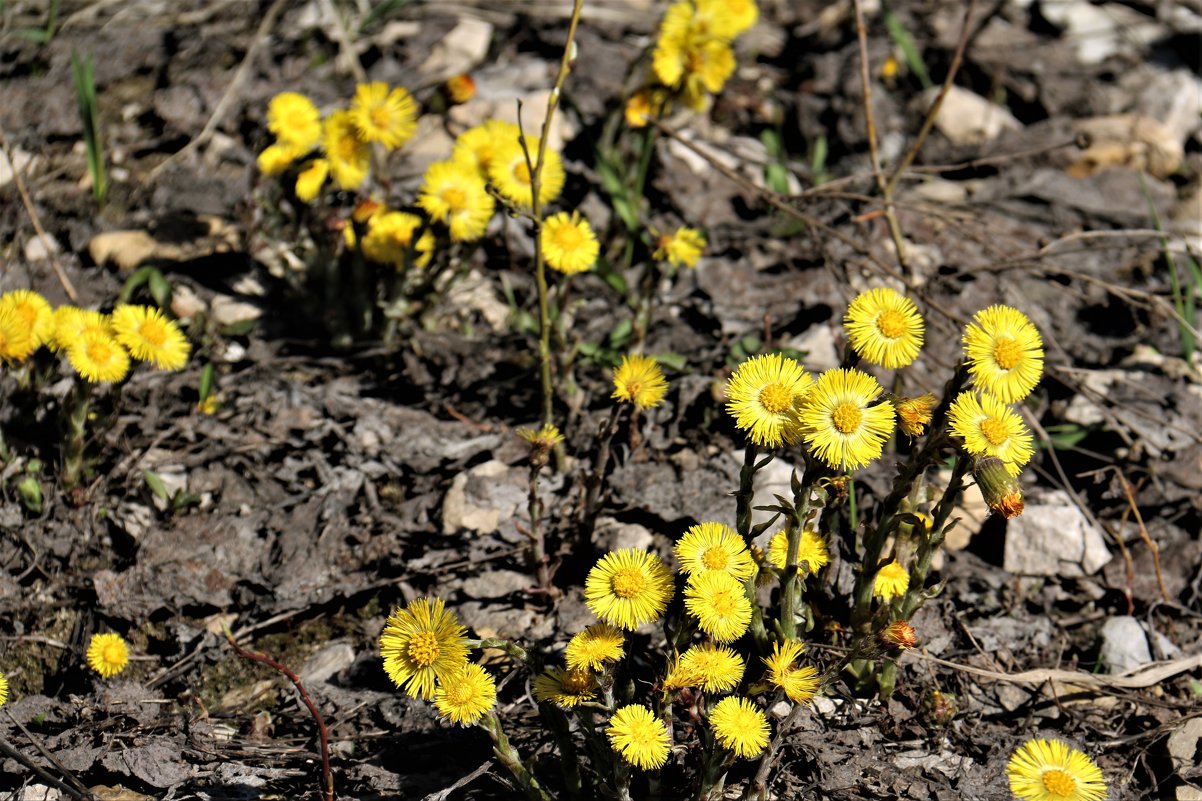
1005 353
107 654
568 242
711 667
34 310
71 323
544 438
639 380
914 414
454 194
720 604
391 238
800 684
812 554
349 155
689 56
150 337
509 173
628 588
387 116
714 546
726 19
476 146
682 248
277 157
593 647
891 581
639 736
1051 770
16 338
763 396
466 695
459 88
99 358
740 726
991 428
311 179
295 121
641 106
422 643
884 328
565 688
841 428
3 690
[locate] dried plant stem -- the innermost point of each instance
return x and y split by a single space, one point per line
76 788
510 758
323 733
1143 535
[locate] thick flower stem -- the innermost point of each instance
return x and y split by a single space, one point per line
538 546
511 649
75 423
512 761
790 599
743 500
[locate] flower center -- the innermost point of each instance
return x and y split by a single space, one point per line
714 558
100 352
569 237
847 417
423 648
628 582
633 388
455 197
575 682
1057 782
112 654
380 116
522 172
891 323
153 333
995 430
1007 353
776 398
460 694
723 604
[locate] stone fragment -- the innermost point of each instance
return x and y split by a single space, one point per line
1124 644
327 662
1053 538
613 535
966 118
1127 140
1183 745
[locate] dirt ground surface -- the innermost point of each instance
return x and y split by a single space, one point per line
339 480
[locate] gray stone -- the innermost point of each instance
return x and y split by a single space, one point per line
613 535
1124 644
496 584
1183 745
1053 538
327 662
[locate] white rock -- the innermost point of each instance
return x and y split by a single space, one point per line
330 660
458 512
462 49
1183 744
1053 538
1099 32
40 248
1124 644
1187 793
24 161
227 311
40 792
966 118
613 535
818 344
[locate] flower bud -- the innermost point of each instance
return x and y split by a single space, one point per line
914 414
899 634
999 489
460 89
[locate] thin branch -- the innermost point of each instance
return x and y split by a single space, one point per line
26 201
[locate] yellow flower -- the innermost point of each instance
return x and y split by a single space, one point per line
294 120
453 194
688 56
466 695
278 157
107 654
476 146
459 88
99 358
914 414
884 328
639 380
800 684
569 243
639 736
726 19
3 690
593 647
382 115
150 337
763 394
349 155
34 310
422 643
311 179
682 248
16 337
509 173
740 726
1005 353
720 604
565 688
71 323
639 107
545 437
812 554
628 588
840 426
714 546
1051 770
713 668
891 581
991 428
390 237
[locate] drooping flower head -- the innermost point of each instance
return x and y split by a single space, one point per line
454 194
349 155
812 554
511 175
639 380
884 328
841 427
466 695
568 243
380 114
763 395
914 414
1051 770
714 546
628 588
639 736
891 581
740 726
34 310
1005 353
711 667
596 645
720 604
565 688
107 654
989 427
800 684
99 358
421 644
683 247
150 337
16 338
295 121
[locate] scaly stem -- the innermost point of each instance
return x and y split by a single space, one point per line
510 758
538 546
75 423
595 480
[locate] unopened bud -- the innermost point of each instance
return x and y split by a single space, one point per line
460 89
999 489
913 414
30 490
899 634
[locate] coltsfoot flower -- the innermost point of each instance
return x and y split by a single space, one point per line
681 248
16 339
884 327
348 153
421 644
466 695
628 588
1051 770
891 581
720 604
71 323
99 358
569 243
295 121
150 336
713 668
565 688
593 647
380 114
1005 353
510 174
800 684
812 554
454 194
34 310
714 546
475 146
639 380
841 427
639 736
3 690
740 726
107 654
763 395
989 427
